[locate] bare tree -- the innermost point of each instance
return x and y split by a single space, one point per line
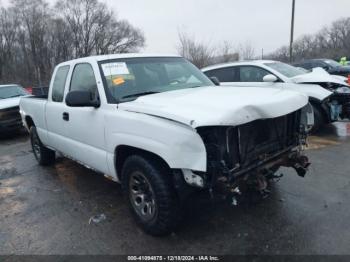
34 37
34 16
199 53
246 51
226 53
95 29
330 42
8 34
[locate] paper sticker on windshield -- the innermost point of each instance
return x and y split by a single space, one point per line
111 69
118 81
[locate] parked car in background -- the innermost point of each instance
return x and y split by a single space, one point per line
331 66
159 126
10 118
38 91
329 95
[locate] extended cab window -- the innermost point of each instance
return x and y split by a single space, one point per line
59 83
227 74
252 74
83 79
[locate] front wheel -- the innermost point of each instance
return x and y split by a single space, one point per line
151 195
43 155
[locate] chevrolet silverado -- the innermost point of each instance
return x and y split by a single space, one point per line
161 128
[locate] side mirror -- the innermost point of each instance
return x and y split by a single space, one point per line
81 99
215 80
270 79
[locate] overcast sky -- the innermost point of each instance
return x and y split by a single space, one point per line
264 23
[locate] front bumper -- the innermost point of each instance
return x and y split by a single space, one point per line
8 126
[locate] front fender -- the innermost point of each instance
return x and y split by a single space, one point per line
313 91
178 145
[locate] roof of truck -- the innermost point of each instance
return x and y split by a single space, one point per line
116 56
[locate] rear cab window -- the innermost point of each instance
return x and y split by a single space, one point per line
59 83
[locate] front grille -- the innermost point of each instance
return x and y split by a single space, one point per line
263 138
249 143
10 114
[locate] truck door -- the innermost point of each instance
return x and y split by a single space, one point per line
85 125
56 126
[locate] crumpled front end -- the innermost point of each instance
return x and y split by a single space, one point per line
339 104
253 152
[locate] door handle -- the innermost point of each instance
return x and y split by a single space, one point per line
65 116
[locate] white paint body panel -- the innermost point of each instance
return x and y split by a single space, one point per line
163 124
211 106
319 75
9 102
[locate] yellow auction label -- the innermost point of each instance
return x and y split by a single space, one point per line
118 81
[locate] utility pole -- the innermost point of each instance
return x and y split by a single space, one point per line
292 34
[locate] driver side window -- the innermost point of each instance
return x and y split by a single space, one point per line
83 78
252 74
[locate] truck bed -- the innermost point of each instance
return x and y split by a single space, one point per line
34 107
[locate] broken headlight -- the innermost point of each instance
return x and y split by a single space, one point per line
307 118
343 90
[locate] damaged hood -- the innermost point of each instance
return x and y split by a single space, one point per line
318 75
218 105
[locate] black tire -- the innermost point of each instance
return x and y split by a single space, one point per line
43 155
319 120
158 212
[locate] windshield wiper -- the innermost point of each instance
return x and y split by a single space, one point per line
141 94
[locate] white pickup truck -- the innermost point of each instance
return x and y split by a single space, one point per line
159 126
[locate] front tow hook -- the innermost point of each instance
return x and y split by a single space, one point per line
301 165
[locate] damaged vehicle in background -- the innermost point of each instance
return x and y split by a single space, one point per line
329 65
161 128
10 118
329 95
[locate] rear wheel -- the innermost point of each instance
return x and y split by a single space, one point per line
151 195
43 155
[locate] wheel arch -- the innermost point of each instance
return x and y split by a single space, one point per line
122 152
321 106
29 122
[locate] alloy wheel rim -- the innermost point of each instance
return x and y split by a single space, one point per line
142 196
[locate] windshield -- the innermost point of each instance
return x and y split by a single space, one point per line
285 69
12 91
332 63
126 79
